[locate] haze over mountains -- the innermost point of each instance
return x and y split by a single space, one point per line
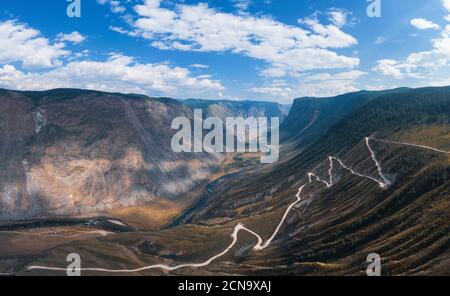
71 152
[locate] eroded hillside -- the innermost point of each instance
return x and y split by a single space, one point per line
70 152
376 182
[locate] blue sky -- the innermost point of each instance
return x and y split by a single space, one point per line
273 50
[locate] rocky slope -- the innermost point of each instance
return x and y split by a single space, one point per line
332 229
72 152
310 118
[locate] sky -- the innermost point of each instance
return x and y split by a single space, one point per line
272 50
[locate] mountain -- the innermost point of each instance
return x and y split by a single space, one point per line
332 230
311 117
370 178
224 108
71 152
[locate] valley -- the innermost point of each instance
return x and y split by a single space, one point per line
349 182
383 182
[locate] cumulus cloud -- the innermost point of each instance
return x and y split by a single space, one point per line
20 43
312 85
327 88
339 17
287 49
115 5
242 5
446 4
423 24
74 37
389 68
119 73
329 84
420 64
424 61
23 49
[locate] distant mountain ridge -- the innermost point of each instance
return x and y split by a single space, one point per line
226 108
325 112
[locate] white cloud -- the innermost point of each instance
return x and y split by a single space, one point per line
122 31
316 85
25 46
380 40
199 66
115 5
119 73
350 75
273 72
327 88
389 68
74 37
274 92
288 49
119 30
242 5
279 82
419 62
423 64
440 82
20 43
328 85
446 4
423 24
338 17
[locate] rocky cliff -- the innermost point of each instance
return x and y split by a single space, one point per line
72 152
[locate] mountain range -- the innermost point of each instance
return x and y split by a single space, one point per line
360 173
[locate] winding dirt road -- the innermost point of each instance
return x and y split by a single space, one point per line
383 182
